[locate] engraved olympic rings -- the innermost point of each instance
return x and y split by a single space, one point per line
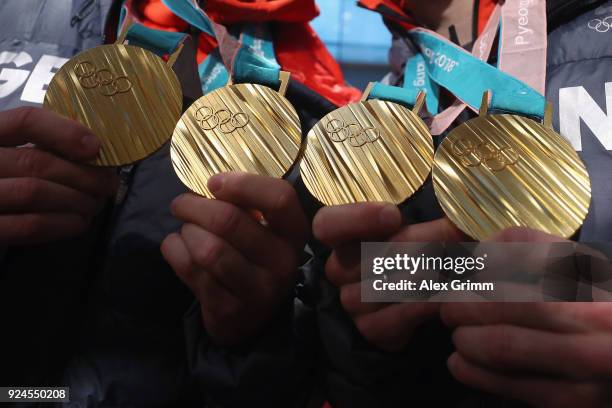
226 121
474 154
357 136
103 79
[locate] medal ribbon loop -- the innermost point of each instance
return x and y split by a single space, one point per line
251 58
516 87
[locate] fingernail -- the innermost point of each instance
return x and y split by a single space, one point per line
90 142
454 337
215 183
390 216
173 205
452 361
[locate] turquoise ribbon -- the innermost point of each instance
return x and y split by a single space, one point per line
415 81
415 76
255 61
160 42
191 13
465 76
212 72
402 96
468 78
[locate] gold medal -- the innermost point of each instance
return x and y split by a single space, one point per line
241 127
128 96
370 151
499 171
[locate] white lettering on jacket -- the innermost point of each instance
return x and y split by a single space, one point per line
12 79
575 106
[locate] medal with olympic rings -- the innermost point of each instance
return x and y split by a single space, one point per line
239 127
373 150
500 171
129 97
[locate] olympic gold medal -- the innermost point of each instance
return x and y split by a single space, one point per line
243 127
367 151
501 171
128 96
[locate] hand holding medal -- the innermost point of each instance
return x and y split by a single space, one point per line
241 269
128 96
248 126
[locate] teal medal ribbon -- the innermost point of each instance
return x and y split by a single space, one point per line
255 60
416 80
159 42
467 77
440 63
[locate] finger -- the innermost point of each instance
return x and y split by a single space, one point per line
32 162
343 265
338 225
392 327
556 317
350 297
30 195
275 198
517 349
222 312
217 257
239 229
176 254
49 131
438 230
535 391
224 315
31 229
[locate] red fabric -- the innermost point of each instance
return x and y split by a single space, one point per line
298 48
399 11
486 9
300 51
236 11
394 10
157 16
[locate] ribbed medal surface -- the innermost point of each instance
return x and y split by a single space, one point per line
243 127
500 171
367 151
126 95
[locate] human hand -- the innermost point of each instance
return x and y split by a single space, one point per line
240 270
544 354
387 326
46 192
